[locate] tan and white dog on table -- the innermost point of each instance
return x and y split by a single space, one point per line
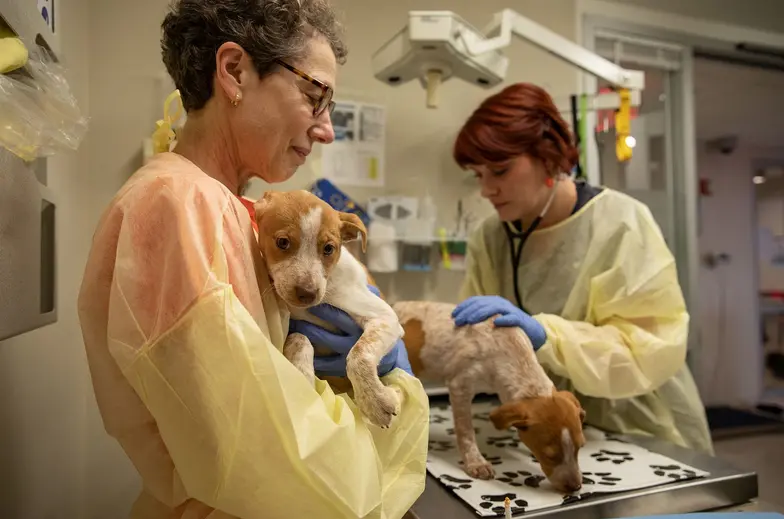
498 360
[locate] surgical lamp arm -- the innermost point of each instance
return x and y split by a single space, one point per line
512 22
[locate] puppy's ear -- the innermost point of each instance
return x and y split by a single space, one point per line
352 228
573 399
262 204
510 415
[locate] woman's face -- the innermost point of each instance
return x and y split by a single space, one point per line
273 124
517 190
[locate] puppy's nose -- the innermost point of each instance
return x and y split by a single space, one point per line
305 296
573 485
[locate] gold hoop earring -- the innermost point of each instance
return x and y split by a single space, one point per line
236 100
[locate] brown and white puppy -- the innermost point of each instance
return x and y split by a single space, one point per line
490 359
301 239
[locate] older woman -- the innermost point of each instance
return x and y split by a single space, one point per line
583 270
181 326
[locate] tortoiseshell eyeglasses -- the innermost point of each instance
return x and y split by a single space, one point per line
324 101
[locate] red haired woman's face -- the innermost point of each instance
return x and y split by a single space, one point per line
517 190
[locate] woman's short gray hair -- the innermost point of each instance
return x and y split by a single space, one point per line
268 30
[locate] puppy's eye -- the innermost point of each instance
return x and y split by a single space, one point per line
283 243
329 249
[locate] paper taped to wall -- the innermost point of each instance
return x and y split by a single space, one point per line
356 158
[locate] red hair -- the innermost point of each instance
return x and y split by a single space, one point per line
522 119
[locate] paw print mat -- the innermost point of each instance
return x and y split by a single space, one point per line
608 465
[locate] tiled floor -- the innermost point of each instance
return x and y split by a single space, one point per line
763 454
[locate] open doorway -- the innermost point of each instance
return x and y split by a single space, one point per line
739 126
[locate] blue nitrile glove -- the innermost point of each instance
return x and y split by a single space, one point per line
341 343
480 308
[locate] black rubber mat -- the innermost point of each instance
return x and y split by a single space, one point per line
722 418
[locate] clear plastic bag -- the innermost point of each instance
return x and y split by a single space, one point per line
39 115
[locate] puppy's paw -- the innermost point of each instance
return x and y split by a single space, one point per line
479 469
380 407
390 400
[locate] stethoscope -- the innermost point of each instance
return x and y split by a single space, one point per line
517 253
